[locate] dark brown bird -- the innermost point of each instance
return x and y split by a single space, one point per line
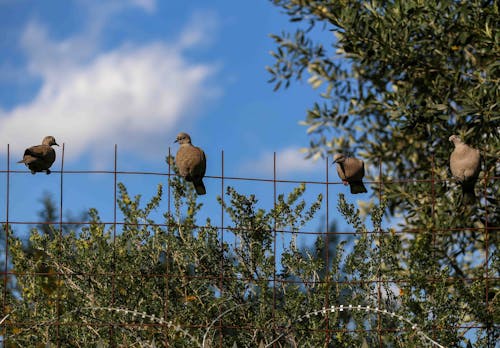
351 170
39 158
191 162
465 165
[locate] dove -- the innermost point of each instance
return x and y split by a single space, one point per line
351 170
39 158
465 165
191 162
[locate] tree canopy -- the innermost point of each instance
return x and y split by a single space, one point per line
395 80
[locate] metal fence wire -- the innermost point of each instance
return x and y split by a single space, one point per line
198 334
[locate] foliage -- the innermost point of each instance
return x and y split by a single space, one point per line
147 282
404 76
69 283
395 80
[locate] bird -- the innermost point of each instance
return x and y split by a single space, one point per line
191 162
39 158
465 165
351 170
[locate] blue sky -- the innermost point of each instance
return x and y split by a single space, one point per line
135 73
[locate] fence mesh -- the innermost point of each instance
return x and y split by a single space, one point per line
198 333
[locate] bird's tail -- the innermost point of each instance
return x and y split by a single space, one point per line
199 187
357 187
469 196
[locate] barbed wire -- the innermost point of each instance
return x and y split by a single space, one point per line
177 327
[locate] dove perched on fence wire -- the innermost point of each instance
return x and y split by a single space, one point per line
191 162
351 170
39 158
465 165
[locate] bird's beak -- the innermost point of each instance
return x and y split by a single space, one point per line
335 161
176 140
56 144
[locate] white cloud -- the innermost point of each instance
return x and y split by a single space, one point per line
134 95
289 161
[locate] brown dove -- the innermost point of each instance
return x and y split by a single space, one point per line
465 165
39 158
351 170
191 162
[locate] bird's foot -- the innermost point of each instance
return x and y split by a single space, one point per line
457 178
48 171
345 182
33 172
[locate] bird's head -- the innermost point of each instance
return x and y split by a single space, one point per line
49 140
339 158
183 138
455 139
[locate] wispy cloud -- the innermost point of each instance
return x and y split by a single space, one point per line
146 5
134 95
200 30
289 161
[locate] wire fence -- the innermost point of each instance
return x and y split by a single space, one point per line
224 229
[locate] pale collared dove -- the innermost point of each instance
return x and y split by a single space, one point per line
351 170
465 165
191 162
39 158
